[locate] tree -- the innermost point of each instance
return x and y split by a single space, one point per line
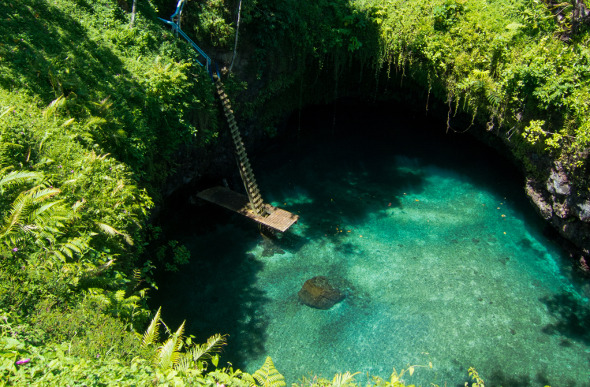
133 11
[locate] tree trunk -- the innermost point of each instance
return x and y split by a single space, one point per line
236 41
133 9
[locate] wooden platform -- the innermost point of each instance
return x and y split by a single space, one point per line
277 219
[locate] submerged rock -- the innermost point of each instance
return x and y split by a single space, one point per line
319 292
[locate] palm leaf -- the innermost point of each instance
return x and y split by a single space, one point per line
268 376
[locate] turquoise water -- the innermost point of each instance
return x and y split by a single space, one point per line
441 257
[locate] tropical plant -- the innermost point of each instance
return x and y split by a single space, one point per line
477 380
170 354
268 375
343 380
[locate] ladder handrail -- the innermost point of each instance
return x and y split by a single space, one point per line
178 11
176 28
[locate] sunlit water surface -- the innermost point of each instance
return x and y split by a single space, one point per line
442 259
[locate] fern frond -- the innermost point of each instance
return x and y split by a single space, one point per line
66 251
342 380
59 255
38 194
128 239
52 108
18 211
205 351
4 157
15 178
8 110
110 230
107 229
184 363
68 122
268 375
46 213
120 296
151 334
79 244
494 98
168 354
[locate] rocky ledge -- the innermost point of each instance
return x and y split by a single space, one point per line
566 208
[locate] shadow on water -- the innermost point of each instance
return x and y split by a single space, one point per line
354 162
339 185
216 292
573 318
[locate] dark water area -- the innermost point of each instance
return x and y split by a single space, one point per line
430 235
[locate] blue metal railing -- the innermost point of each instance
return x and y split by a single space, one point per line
202 58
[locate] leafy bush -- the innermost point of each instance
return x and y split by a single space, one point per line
447 14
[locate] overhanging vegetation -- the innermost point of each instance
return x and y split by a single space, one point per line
93 111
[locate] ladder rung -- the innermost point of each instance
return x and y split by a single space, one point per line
248 171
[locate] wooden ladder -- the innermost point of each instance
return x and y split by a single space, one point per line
243 162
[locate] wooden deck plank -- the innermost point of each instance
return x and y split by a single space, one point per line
277 219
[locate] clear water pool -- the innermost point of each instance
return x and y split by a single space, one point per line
441 256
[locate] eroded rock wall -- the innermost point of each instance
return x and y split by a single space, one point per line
565 206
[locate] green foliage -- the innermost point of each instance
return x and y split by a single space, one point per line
537 17
169 355
103 356
477 381
447 14
89 329
343 380
215 22
93 113
268 375
172 255
534 132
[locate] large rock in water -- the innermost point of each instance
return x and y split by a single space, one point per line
318 292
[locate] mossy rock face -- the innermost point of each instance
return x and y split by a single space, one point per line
319 292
